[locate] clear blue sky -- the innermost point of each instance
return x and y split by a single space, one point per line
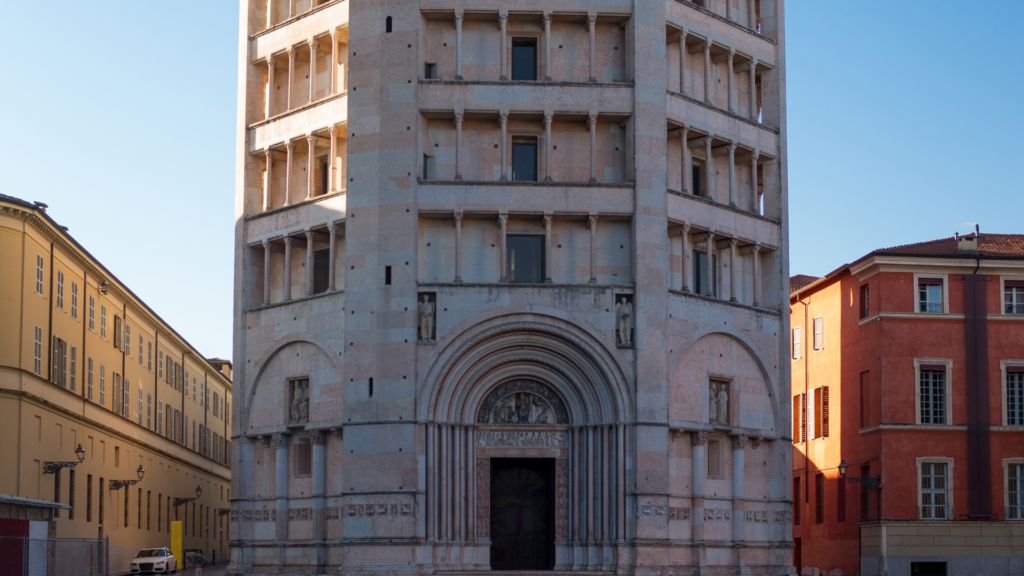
904 125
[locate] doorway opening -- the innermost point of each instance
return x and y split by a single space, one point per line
522 513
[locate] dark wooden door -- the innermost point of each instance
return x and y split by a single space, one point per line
522 514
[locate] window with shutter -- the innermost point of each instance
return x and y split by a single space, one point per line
803 417
117 331
813 425
824 411
796 419
796 343
819 333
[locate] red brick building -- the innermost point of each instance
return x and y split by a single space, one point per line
908 364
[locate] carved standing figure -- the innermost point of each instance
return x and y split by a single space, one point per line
713 404
624 322
296 401
540 412
426 310
723 406
304 404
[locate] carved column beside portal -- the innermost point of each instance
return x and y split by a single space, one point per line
483 499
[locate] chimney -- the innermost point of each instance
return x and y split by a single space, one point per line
967 244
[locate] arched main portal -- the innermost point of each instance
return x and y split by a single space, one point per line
542 401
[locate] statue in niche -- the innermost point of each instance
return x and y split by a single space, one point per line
299 407
718 403
624 322
426 312
522 402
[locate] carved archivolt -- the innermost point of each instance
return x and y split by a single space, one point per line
522 402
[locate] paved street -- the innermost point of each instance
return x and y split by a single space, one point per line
217 570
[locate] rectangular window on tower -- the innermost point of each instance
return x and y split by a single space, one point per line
819 498
321 268
932 394
524 58
1014 396
325 173
929 295
429 168
429 71
524 159
697 182
525 258
796 501
700 270
1013 296
865 307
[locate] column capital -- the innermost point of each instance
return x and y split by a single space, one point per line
269 152
503 218
279 440
710 234
591 19
733 146
317 437
682 34
592 118
592 219
459 114
753 64
733 242
548 218
547 18
503 116
312 43
266 244
755 154
309 234
503 16
686 227
732 52
707 45
698 437
290 145
311 139
331 129
457 215
332 227
287 241
756 247
547 117
458 15
739 442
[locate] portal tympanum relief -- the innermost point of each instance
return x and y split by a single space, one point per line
522 402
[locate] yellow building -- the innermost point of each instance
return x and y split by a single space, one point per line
83 361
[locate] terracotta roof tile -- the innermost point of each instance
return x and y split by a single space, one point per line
799 281
989 245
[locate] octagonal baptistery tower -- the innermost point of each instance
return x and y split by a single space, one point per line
508 288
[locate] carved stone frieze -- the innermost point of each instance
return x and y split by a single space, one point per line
279 440
652 511
522 402
678 513
264 515
758 516
368 510
699 438
717 515
332 513
317 437
516 439
562 498
300 513
782 517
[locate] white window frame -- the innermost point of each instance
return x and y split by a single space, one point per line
103 321
184 431
815 333
945 292
74 300
40 267
73 363
60 289
1002 292
126 338
797 342
103 384
160 417
89 380
92 313
950 508
142 341
140 405
149 411
1003 375
918 362
37 355
1007 462
149 356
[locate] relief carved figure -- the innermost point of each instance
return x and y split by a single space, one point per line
523 402
299 407
624 322
426 313
718 403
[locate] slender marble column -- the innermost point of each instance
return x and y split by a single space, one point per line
592 221
291 8
458 246
755 205
708 79
753 88
732 174
592 29
310 159
290 146
752 15
312 70
709 169
471 487
503 274
547 45
271 11
591 496
458 145
728 83
287 268
267 175
620 484
682 62
309 262
266 272
333 68
280 442
606 481
739 443
458 44
698 459
445 484
547 147
756 254
685 174
577 498
503 118
547 248
431 511
592 121
270 87
332 176
332 230
319 441
709 268
503 21
733 265
458 486
728 9
291 78
682 258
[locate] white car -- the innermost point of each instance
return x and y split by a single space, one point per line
154 561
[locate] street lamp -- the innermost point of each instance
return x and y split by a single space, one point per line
118 484
54 467
869 482
180 501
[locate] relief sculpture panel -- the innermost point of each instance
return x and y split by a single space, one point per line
522 402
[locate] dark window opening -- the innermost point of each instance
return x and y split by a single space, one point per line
524 160
429 168
928 569
430 71
371 388
696 184
387 25
796 501
387 275
324 173
321 271
524 59
819 498
865 495
864 305
525 258
303 460
700 259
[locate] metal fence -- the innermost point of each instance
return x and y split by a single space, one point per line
54 557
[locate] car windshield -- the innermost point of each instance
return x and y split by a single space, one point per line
149 553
